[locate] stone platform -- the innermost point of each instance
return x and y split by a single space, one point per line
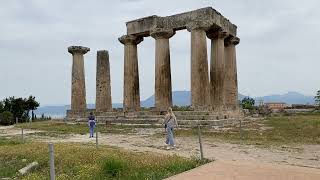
153 118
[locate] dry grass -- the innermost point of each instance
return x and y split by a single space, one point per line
83 161
297 129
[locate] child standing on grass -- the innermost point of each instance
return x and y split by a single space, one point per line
170 122
91 124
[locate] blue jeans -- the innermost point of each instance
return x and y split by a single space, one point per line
170 140
91 130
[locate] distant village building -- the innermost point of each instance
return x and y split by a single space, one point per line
276 106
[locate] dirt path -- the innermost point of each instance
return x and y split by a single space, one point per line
248 170
142 141
12 131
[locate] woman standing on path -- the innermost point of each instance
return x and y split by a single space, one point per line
91 124
170 122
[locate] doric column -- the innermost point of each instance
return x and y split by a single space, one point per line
103 87
200 97
131 94
78 89
231 81
163 87
217 69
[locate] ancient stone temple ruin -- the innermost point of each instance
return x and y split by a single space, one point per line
214 89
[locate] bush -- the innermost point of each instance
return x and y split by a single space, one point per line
6 118
114 165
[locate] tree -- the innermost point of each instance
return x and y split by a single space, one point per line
19 107
247 103
317 98
1 107
32 105
6 118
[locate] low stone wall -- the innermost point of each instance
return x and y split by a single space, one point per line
294 111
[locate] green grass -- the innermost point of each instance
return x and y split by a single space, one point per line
83 161
8 167
64 128
298 129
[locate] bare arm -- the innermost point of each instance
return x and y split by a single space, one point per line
175 120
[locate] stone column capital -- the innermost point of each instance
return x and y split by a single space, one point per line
130 39
219 34
78 50
161 33
232 41
198 25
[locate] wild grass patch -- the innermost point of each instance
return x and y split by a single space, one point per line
84 161
298 129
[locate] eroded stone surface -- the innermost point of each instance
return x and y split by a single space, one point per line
78 89
103 83
217 69
143 26
131 90
163 87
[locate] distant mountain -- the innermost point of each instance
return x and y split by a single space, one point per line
183 98
289 98
179 98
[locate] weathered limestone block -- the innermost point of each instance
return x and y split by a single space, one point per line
131 93
217 69
200 96
143 26
103 83
28 168
78 90
163 87
231 81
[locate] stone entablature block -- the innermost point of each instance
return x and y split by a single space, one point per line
143 26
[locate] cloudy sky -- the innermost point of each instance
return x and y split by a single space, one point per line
279 49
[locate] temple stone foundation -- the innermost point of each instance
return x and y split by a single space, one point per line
214 89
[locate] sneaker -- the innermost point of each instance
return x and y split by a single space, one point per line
168 148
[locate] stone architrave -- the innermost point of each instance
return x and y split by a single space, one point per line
231 81
217 69
131 93
163 87
200 94
103 87
78 89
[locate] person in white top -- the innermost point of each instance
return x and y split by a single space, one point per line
170 122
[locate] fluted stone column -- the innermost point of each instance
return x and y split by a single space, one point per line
163 87
231 81
78 89
131 93
200 96
217 69
103 87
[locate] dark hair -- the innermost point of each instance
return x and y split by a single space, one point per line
91 113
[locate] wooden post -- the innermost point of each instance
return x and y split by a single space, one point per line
22 136
51 157
241 133
97 144
200 142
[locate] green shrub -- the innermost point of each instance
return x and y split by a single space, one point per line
114 165
6 118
